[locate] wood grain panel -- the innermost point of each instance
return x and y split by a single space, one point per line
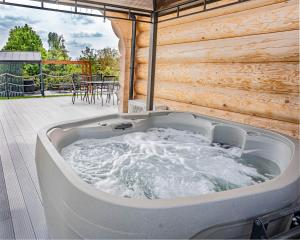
272 47
213 13
290 129
273 18
267 77
273 106
240 63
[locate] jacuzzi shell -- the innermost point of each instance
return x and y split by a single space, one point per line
75 209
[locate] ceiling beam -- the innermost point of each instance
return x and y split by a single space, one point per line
109 10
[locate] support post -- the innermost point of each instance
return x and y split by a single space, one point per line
42 85
90 71
132 57
152 62
7 86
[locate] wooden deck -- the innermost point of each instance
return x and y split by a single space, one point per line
21 207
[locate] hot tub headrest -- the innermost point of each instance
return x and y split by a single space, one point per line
231 135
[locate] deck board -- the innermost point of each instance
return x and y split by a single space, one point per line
19 214
29 191
6 225
22 214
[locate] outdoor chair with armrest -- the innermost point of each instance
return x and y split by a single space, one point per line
108 88
117 91
79 87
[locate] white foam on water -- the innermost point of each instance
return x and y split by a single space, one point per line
161 163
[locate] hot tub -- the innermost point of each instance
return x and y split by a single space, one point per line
76 209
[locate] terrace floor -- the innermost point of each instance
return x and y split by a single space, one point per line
21 206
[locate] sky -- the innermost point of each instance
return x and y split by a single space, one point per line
79 31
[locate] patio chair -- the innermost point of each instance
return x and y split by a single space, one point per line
97 79
117 91
87 89
108 89
79 88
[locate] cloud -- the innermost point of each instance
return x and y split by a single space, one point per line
78 20
76 44
86 35
8 22
43 34
87 29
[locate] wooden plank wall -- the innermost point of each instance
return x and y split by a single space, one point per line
239 63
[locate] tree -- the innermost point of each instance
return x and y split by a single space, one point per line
108 61
56 42
57 51
25 39
104 61
90 54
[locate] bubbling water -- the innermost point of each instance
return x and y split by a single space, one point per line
164 163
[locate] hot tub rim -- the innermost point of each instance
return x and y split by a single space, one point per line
281 181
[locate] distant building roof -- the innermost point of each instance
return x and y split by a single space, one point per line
23 57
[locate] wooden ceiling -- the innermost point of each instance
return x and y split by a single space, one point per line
141 4
167 3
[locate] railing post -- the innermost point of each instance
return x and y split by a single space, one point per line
42 85
6 85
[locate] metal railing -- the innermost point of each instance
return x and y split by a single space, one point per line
14 85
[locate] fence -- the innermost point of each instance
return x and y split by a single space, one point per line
14 85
